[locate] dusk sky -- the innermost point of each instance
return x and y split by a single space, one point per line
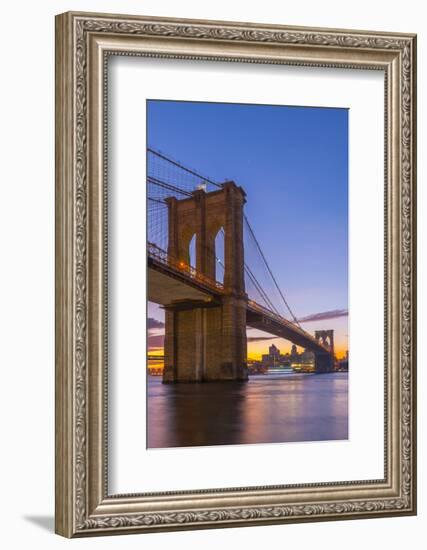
293 165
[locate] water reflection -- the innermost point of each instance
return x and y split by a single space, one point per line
267 409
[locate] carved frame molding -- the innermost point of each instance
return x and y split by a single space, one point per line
83 43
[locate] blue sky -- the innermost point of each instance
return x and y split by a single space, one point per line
293 164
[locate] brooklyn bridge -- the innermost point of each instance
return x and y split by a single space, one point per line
209 300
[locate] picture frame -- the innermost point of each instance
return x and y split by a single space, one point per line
84 41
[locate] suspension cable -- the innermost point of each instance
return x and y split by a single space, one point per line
257 285
255 281
179 165
270 272
170 187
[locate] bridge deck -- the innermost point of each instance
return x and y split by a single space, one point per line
168 278
261 318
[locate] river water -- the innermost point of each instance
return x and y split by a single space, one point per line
270 408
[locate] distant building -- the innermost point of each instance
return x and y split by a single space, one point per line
343 363
304 362
307 357
274 353
300 362
294 357
274 358
257 367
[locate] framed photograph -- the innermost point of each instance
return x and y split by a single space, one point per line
235 274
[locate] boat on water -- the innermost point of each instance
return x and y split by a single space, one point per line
302 367
280 370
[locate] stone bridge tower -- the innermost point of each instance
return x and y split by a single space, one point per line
324 362
207 341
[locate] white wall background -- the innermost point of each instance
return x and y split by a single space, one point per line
27 274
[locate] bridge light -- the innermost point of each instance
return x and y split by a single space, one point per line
202 186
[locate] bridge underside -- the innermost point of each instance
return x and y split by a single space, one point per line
164 290
288 331
205 330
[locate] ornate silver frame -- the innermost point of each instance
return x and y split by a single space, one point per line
83 506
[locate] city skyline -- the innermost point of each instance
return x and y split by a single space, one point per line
257 345
295 175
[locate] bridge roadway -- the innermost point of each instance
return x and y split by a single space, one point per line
169 278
